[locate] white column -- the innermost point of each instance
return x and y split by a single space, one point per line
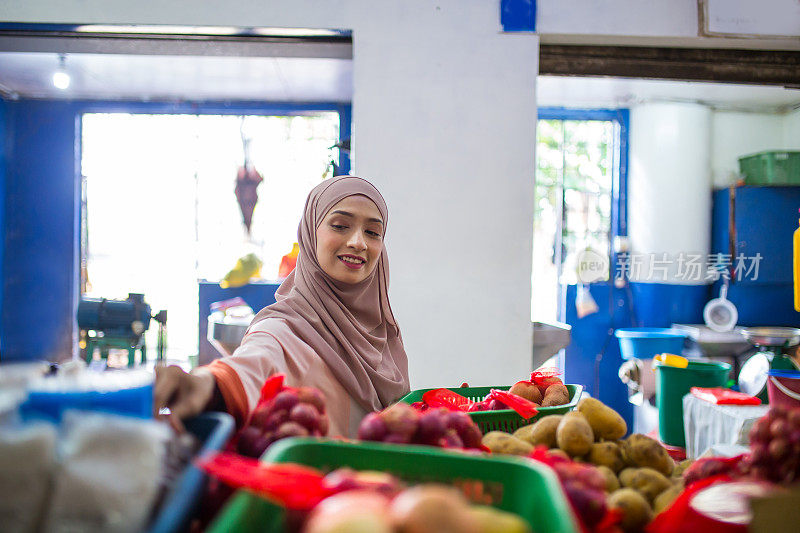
669 184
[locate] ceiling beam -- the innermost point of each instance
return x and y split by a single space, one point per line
332 48
684 64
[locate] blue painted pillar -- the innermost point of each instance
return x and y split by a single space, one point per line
40 257
593 358
4 137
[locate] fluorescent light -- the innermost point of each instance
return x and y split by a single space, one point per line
157 29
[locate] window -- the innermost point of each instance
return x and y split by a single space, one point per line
160 210
579 204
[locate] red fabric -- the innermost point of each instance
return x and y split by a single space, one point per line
294 486
232 390
721 396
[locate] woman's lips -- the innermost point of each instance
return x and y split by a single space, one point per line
351 266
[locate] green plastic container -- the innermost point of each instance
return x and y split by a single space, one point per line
517 485
504 419
672 384
771 168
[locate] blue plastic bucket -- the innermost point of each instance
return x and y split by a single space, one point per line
646 343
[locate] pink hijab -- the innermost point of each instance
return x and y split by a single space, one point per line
350 326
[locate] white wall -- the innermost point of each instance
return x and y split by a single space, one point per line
444 113
646 23
736 134
791 130
674 18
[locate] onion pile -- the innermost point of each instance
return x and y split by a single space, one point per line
292 412
402 424
584 486
774 447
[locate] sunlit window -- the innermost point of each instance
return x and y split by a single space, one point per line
160 210
574 177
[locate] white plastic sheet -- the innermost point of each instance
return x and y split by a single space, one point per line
706 424
108 475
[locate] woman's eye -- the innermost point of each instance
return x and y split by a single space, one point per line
338 226
373 234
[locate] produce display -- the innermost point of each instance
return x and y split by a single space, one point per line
633 478
612 482
775 447
543 389
402 424
280 413
377 502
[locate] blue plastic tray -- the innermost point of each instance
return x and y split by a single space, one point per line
46 405
214 430
646 343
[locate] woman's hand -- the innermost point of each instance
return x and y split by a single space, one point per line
185 394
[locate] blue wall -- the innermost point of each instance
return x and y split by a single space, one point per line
4 136
40 201
40 275
593 357
764 221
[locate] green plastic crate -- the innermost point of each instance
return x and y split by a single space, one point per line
771 168
504 419
521 486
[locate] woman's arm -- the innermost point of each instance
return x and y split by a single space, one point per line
184 394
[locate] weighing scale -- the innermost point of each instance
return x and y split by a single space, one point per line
774 353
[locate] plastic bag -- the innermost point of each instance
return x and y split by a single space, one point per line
545 378
27 463
584 302
721 396
447 399
455 402
109 473
294 486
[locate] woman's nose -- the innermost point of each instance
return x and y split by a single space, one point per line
356 241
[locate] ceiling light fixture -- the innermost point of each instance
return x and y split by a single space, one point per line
61 78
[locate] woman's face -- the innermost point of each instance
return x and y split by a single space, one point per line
350 239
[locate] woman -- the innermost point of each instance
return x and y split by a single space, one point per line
331 328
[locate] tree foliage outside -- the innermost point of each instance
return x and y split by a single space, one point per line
574 176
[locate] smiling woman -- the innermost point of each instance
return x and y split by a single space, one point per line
350 239
331 328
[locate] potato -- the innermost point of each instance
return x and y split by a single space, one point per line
606 423
574 434
665 499
556 394
650 483
527 390
501 442
558 453
491 520
612 483
636 512
643 451
680 467
543 431
607 454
